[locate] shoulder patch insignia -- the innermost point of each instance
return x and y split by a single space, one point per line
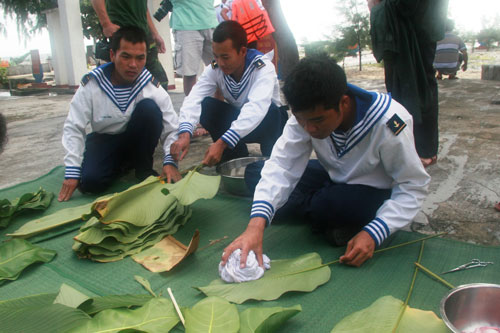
259 63
396 125
85 79
155 81
214 64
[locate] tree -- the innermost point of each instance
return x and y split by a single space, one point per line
288 52
355 29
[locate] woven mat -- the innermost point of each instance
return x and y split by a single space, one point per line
349 289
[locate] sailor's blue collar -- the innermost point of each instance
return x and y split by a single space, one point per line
107 70
251 54
370 107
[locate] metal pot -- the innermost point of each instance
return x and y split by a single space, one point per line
469 307
233 174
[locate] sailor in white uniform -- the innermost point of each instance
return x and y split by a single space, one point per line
253 112
368 180
128 112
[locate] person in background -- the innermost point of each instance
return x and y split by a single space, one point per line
218 11
450 53
367 182
128 112
404 35
192 22
114 14
253 112
3 132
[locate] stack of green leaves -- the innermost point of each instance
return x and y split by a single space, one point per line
39 200
128 222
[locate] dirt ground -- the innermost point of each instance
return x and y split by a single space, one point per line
465 181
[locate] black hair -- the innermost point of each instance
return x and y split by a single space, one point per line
131 34
3 131
230 30
315 80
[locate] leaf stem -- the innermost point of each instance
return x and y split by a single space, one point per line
405 305
434 275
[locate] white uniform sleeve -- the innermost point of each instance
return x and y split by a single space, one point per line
170 124
191 107
282 171
411 181
73 140
255 109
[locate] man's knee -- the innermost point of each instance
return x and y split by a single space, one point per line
252 175
147 112
92 182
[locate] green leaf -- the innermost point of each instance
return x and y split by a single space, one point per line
157 315
39 200
71 297
17 254
114 301
145 283
304 273
381 317
37 314
212 314
62 217
194 186
261 320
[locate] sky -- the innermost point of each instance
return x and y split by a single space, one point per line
309 21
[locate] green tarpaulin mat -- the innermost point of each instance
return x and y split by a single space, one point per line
349 289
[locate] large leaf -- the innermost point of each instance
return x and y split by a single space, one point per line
114 301
263 320
212 314
167 253
194 186
157 315
381 317
71 297
29 201
62 217
17 254
37 314
303 273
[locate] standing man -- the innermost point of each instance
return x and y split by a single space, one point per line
193 22
367 182
114 14
404 35
128 112
450 53
248 81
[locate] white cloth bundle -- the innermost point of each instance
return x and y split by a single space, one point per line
232 272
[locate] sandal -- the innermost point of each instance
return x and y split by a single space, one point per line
497 206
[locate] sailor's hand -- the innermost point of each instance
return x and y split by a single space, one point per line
180 148
171 173
359 249
214 153
249 240
109 29
68 187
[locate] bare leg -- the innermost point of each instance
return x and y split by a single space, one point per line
188 82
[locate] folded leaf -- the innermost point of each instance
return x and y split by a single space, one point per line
71 297
261 320
157 315
167 253
303 273
17 254
39 200
38 314
145 283
62 217
194 186
113 301
381 317
212 314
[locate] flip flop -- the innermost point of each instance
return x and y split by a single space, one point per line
497 206
428 161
